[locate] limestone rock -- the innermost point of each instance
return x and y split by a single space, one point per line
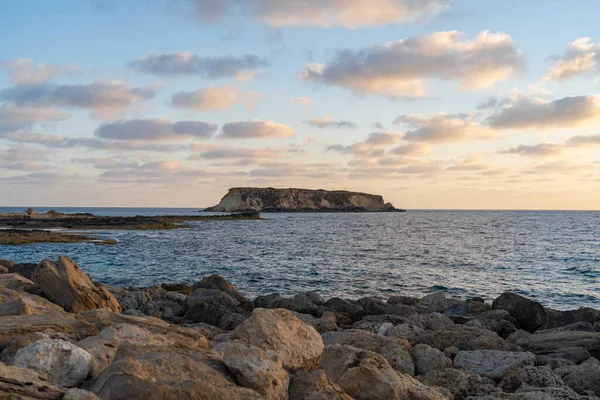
8 354
584 314
530 377
465 338
13 302
65 284
79 394
19 383
437 302
428 359
298 345
461 384
560 342
492 364
59 361
256 369
530 314
16 282
168 373
344 307
132 300
6 264
366 375
3 270
411 333
313 297
326 323
432 321
219 283
584 378
178 287
315 385
396 351
499 321
466 308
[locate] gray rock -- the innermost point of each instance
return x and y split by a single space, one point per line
313 297
428 359
344 307
461 384
499 321
530 377
492 364
219 283
59 361
584 378
326 323
315 385
79 394
437 302
530 314
411 333
396 351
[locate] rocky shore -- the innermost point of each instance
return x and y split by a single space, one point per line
21 236
63 336
86 221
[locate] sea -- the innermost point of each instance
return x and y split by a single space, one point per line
550 256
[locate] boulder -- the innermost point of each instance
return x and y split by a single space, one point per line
178 287
14 302
396 351
326 323
219 283
560 343
461 384
65 284
574 327
6 264
499 321
132 300
3 270
79 394
20 325
428 359
405 300
437 302
19 383
344 307
584 378
166 304
432 321
315 385
298 345
168 373
464 338
313 297
17 282
563 318
26 270
411 333
366 375
61 362
529 314
492 364
530 377
256 369
466 308
211 306
104 346
299 304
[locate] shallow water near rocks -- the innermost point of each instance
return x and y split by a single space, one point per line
550 256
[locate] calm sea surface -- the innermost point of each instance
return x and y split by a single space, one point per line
553 257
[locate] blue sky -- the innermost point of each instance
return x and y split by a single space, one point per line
81 95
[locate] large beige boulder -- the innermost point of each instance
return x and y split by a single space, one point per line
65 284
396 351
256 369
168 373
20 383
298 345
315 385
492 364
61 362
104 346
20 325
16 282
14 302
365 375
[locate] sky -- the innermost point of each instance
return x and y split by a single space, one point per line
434 104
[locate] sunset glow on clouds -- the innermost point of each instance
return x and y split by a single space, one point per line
431 103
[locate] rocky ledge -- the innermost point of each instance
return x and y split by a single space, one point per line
63 336
88 221
20 237
300 200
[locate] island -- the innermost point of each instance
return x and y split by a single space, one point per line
300 200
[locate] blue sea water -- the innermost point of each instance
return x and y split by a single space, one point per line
551 256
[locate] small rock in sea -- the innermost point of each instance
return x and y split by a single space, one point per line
59 361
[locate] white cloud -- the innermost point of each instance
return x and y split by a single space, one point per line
328 122
106 99
382 138
155 129
324 13
538 150
207 99
584 140
444 128
256 129
302 101
581 57
24 71
412 150
14 116
400 68
186 63
528 112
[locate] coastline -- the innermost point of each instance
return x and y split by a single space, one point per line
419 348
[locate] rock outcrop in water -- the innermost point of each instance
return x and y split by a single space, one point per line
209 341
300 200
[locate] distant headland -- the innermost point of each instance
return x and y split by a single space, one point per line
300 200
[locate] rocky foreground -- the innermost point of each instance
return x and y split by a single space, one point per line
64 337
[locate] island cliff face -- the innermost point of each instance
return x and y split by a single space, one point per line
300 200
